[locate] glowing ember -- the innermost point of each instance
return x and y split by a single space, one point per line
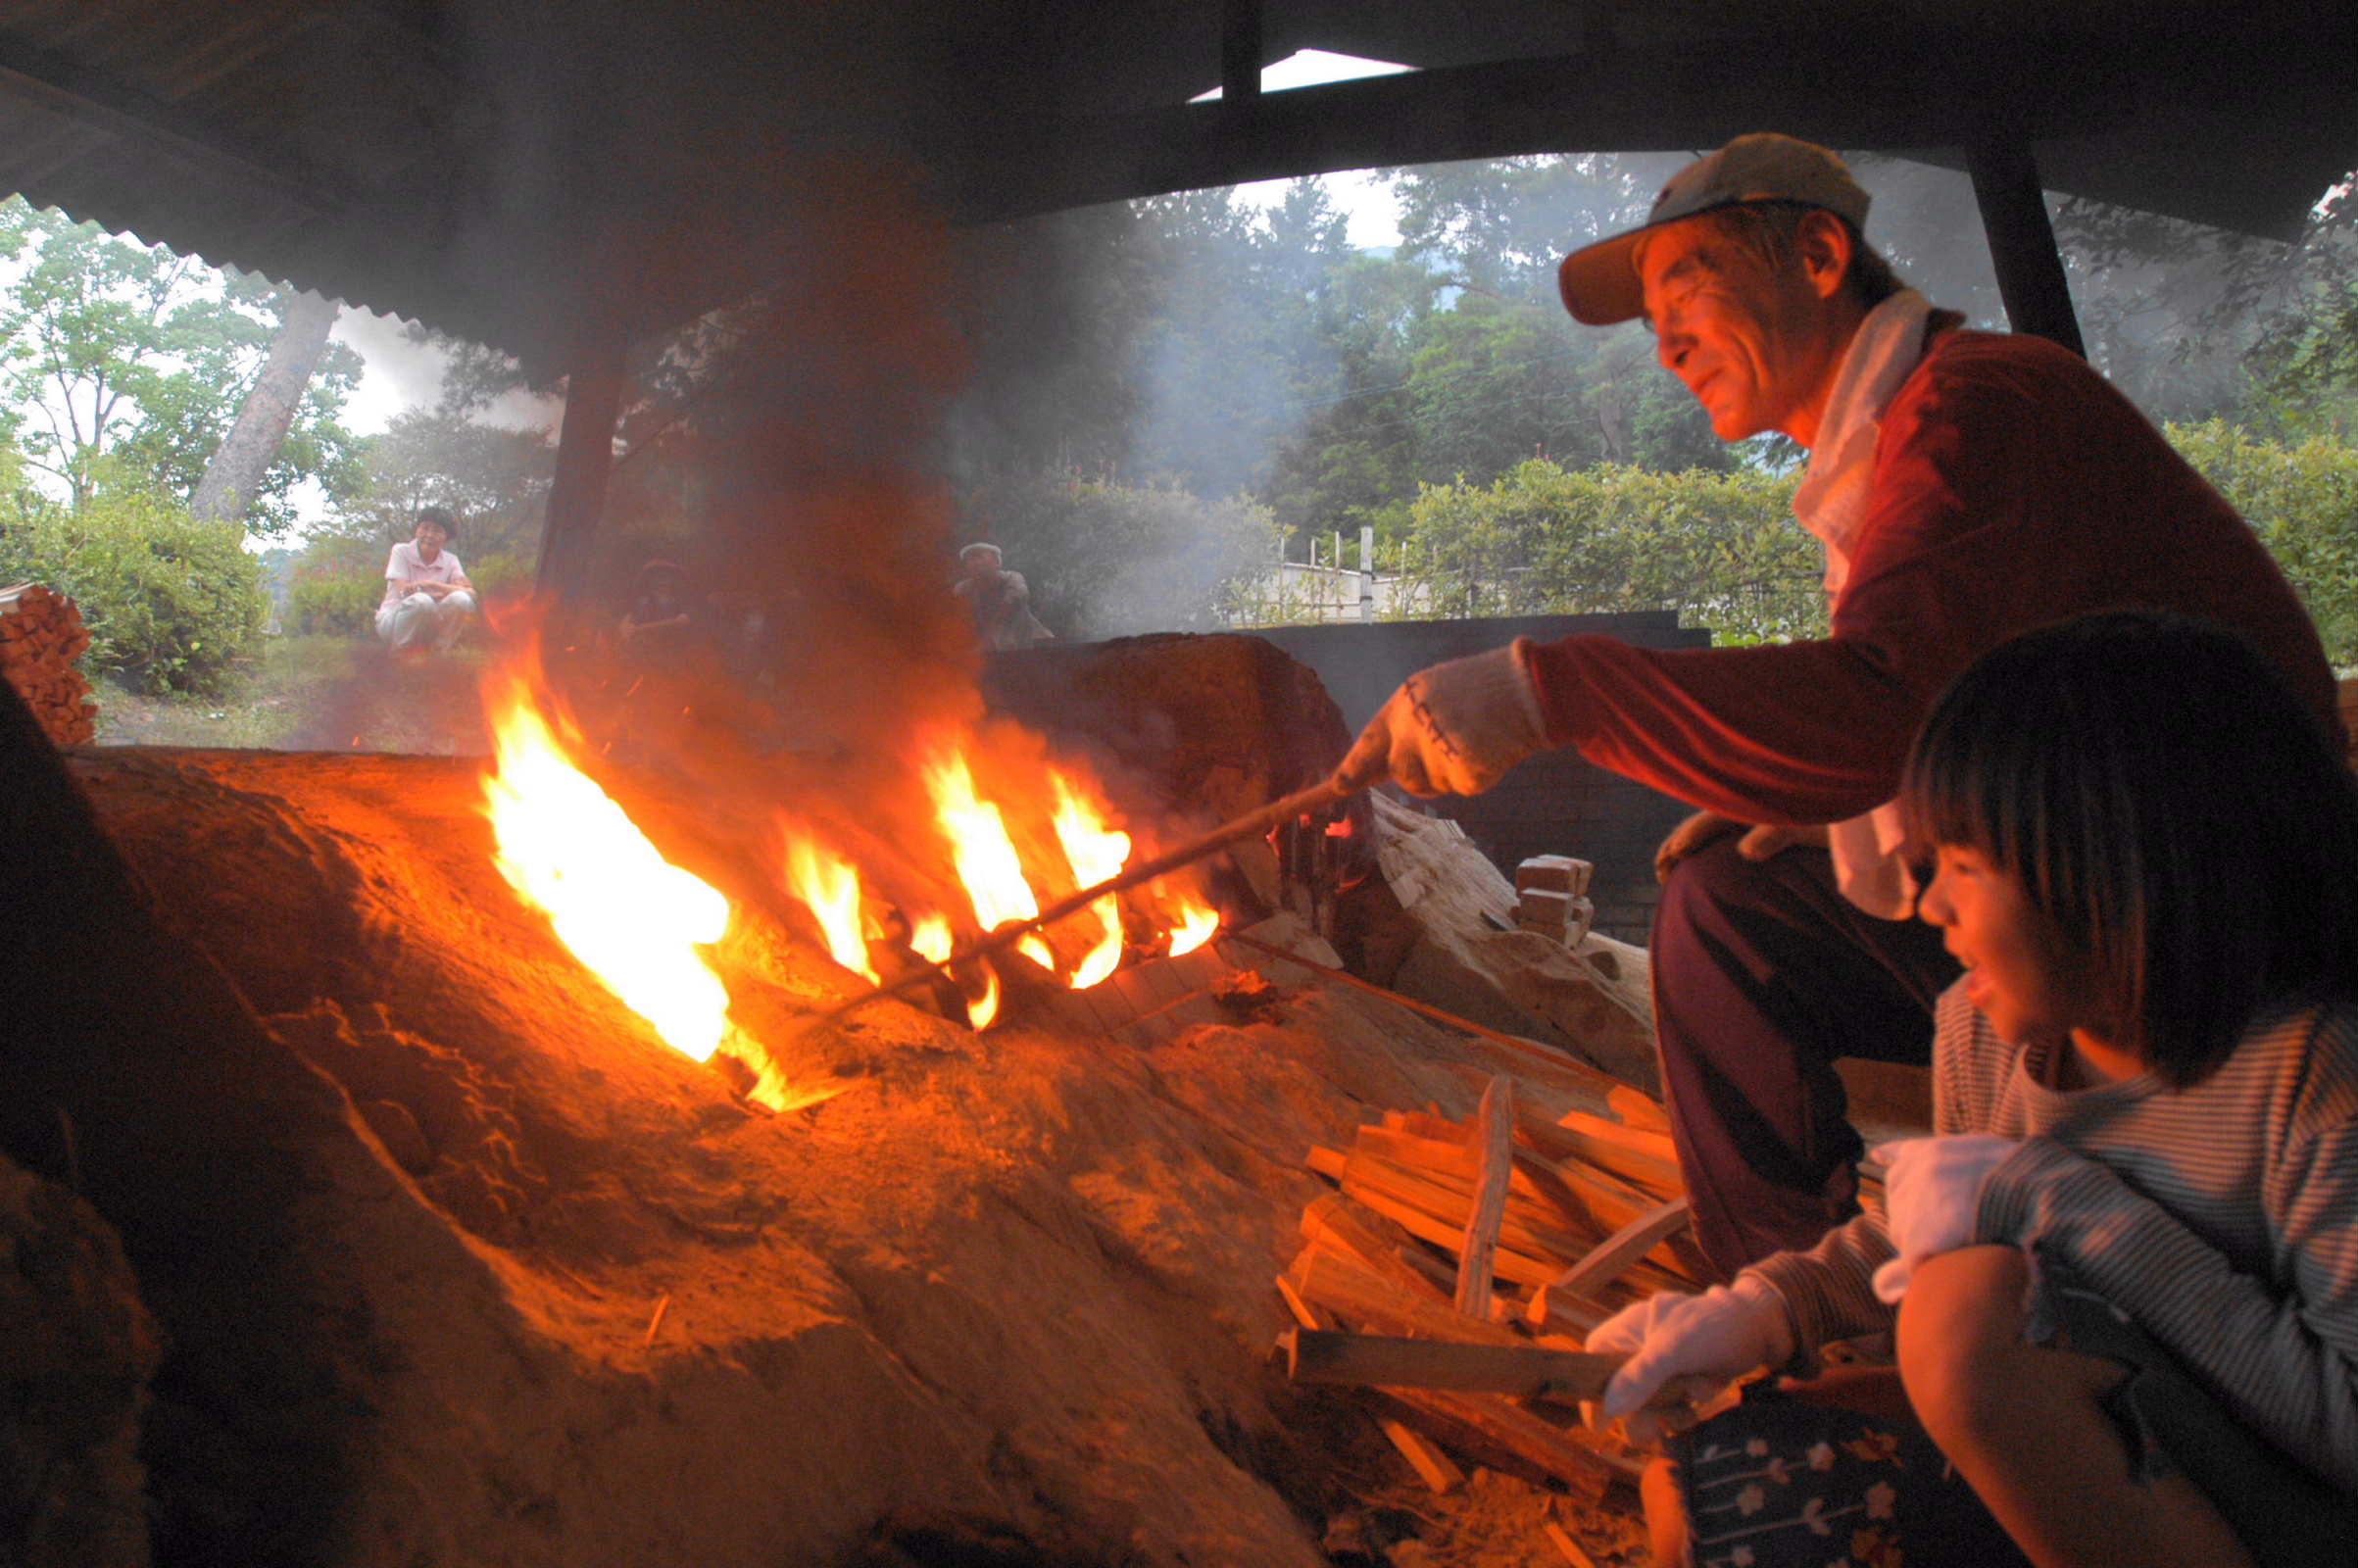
984 854
1094 851
830 885
635 920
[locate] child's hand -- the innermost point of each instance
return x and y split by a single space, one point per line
1932 1198
1701 1342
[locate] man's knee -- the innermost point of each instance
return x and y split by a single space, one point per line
459 603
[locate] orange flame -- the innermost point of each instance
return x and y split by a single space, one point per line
984 855
635 920
929 939
1198 923
830 885
1094 851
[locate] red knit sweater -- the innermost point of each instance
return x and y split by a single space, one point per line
2013 487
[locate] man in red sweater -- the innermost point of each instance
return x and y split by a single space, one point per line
1966 486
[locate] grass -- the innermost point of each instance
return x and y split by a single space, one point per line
314 694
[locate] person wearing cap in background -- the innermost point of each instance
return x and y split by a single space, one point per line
1966 486
428 595
1001 600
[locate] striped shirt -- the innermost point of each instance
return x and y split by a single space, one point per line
2222 1218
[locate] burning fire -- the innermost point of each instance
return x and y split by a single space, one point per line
1094 851
1198 923
830 885
985 856
634 918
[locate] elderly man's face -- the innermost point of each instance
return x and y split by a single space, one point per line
430 537
1749 343
979 564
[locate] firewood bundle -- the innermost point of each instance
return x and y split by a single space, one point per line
41 635
1459 1264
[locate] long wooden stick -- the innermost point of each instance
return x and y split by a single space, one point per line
1253 824
1380 1361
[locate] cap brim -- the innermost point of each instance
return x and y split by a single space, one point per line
1599 282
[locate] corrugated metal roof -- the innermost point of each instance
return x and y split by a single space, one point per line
509 169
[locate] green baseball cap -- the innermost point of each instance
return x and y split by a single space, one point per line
1599 281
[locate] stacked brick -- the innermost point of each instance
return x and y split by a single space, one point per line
41 635
1552 898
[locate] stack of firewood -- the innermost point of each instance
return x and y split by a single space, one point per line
1459 1264
41 635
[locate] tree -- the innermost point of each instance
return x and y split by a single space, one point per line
234 476
495 479
124 364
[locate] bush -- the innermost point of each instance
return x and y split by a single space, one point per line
1723 549
171 602
2301 498
333 605
1105 560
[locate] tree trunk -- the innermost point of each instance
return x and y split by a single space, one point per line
235 476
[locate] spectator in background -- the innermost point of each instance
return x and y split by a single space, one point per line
661 621
428 597
1001 600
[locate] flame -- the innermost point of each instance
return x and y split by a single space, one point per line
635 920
1197 923
984 855
1094 851
929 938
830 885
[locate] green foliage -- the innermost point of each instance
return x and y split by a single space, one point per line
494 479
2301 497
127 363
1108 559
1721 547
171 602
333 607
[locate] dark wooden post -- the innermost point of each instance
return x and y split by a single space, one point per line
2022 242
585 458
1241 53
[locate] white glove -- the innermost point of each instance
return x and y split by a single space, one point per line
1453 729
1706 1342
1931 1192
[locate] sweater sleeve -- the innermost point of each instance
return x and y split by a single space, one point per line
2284 1360
1967 539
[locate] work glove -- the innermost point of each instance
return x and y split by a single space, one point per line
1932 1194
1757 843
1689 1347
1453 729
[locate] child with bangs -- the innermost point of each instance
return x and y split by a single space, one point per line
2123 1276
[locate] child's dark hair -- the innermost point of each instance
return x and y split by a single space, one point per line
2183 822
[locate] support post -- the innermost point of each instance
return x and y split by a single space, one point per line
1241 53
1367 575
2022 242
585 458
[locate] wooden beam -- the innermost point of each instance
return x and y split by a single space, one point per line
585 457
2022 241
1241 54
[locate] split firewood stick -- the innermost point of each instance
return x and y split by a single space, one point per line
1493 1142
1574 1557
1448 1197
1476 1424
1512 1263
1432 1466
1368 1302
1574 1195
1253 824
1612 1257
1376 1244
1381 1361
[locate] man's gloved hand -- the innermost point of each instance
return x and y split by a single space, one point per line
1697 1344
1757 843
1931 1190
1453 729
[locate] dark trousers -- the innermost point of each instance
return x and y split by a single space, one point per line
1763 974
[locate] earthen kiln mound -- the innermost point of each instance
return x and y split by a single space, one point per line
454 1262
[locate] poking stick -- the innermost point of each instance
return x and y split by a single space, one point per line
1253 824
655 1324
1373 1361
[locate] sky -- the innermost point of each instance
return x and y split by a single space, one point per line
399 374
